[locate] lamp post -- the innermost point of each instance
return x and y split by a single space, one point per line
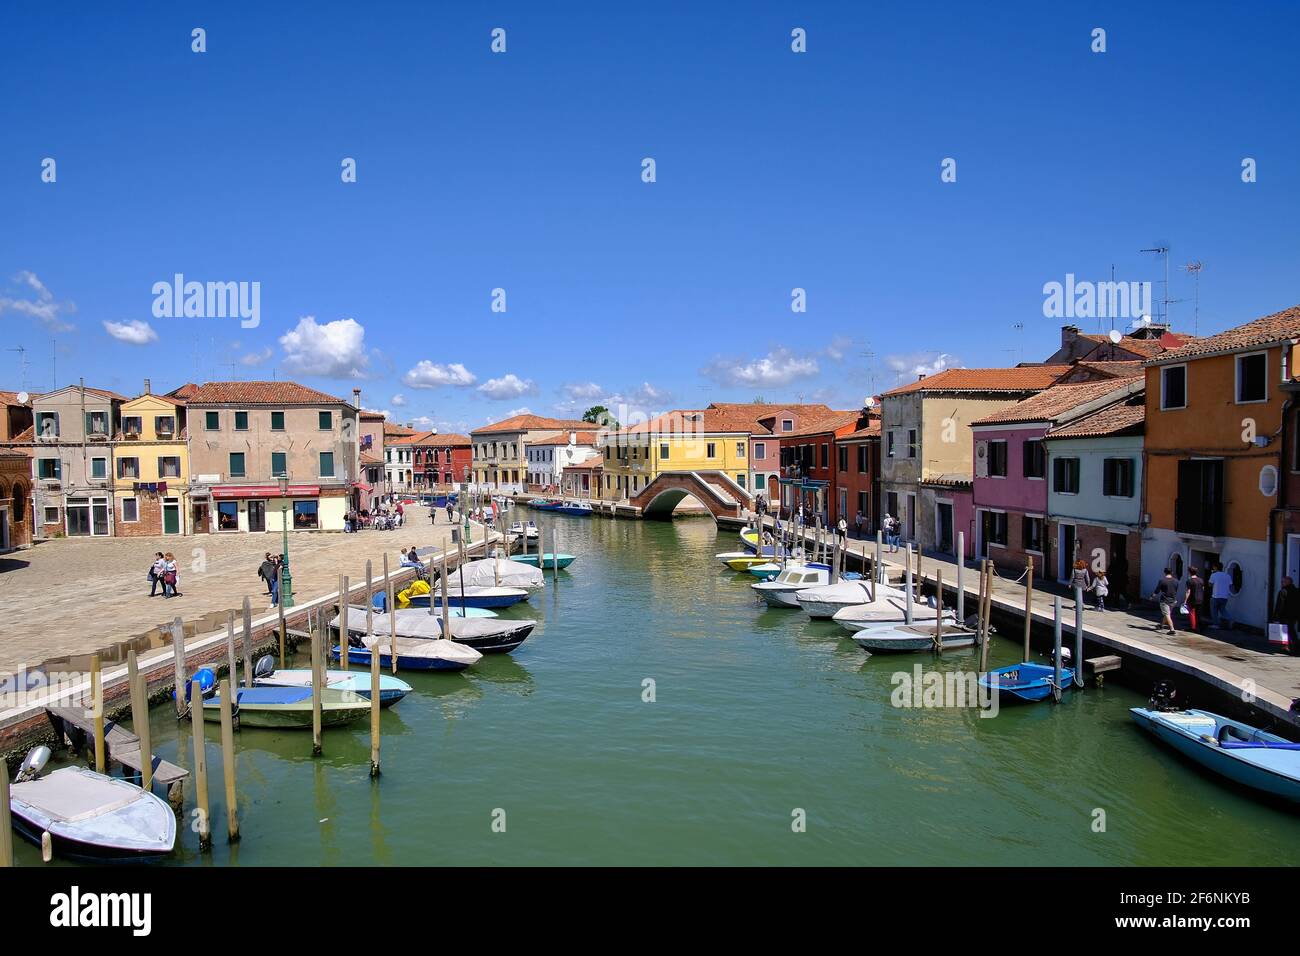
286 579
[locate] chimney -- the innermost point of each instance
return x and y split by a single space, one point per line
573 438
146 387
920 376
1068 334
356 399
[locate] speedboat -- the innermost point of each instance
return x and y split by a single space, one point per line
1242 753
766 571
89 816
824 601
491 597
488 636
529 530
288 707
783 590
912 637
380 603
577 509
497 572
391 689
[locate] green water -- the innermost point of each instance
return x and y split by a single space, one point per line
758 713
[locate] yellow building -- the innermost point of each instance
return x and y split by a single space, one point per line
150 469
706 439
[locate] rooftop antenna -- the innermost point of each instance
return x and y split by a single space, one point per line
1165 301
1194 269
22 364
1020 328
54 363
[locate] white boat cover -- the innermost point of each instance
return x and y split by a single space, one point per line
417 623
890 607
513 574
89 807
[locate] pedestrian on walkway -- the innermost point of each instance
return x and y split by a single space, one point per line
1100 588
1195 600
842 529
171 576
156 574
1220 591
451 513
1286 611
1166 594
1079 579
266 570
857 525
275 581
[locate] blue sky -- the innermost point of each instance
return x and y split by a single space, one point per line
522 171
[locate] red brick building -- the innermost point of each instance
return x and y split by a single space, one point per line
811 465
857 484
442 460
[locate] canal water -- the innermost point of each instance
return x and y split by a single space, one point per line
760 717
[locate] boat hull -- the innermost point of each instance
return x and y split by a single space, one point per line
500 643
780 596
405 662
391 690
547 560
1026 682
897 639
293 712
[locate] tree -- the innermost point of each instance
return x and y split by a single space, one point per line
600 415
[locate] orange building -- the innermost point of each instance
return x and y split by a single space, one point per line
1220 460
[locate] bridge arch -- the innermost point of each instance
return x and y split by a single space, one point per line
715 490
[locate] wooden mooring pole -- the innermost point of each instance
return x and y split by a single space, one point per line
230 653
140 717
1029 603
200 764
228 760
374 702
1056 642
97 709
1078 636
318 677
938 611
6 822
389 604
178 665
248 642
961 578
345 601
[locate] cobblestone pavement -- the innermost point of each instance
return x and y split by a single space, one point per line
72 597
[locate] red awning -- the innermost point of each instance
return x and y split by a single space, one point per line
264 491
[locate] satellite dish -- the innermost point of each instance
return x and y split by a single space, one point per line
22 398
1146 320
1115 336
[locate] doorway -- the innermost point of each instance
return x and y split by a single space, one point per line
200 523
1117 565
171 516
943 526
257 516
1066 549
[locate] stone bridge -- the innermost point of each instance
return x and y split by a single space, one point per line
716 490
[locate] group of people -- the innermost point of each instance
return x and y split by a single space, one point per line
269 572
384 518
1097 583
891 528
163 572
1203 602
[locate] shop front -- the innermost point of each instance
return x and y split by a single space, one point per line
261 508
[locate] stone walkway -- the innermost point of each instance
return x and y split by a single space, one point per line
1237 662
70 597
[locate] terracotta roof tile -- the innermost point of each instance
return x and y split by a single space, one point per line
11 398
523 423
1278 327
450 439
1026 378
1126 416
1059 403
871 431
260 393
392 429
822 424
584 438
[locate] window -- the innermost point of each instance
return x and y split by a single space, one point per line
132 425
740 479
889 444
998 458
1117 477
710 450
325 421
1252 377
740 449
164 424
241 421
130 509
911 443
99 468
327 464
169 466
996 526
787 424
1173 387
826 455
1234 571
277 421
236 464
864 505
1065 476
128 468
843 457
227 516
47 425
212 421
1198 509
96 423
49 468
51 514
1034 459
1032 534
862 459
760 451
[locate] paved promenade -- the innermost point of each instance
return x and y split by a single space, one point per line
1237 662
68 598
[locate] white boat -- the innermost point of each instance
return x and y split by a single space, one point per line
529 530
890 607
783 590
824 601
912 637
88 815
486 635
391 689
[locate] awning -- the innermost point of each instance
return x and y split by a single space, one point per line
263 491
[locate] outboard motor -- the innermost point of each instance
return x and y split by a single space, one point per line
264 667
33 764
1164 697
205 678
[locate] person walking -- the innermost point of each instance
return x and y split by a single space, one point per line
842 529
266 571
1100 588
1220 591
171 576
1166 593
1080 583
451 513
156 571
1286 611
857 525
275 582
1195 600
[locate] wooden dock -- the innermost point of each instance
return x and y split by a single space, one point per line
122 746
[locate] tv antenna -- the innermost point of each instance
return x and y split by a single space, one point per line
1020 330
1194 269
1165 300
22 363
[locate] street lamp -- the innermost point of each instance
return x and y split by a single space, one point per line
286 579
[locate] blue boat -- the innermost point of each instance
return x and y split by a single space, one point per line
380 603
391 689
549 559
1026 681
473 597
577 509
1244 754
416 654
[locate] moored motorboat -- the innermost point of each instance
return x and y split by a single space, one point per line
783 590
826 600
497 572
547 560
89 816
575 509
528 530
766 571
416 654
489 597
380 602
889 608
488 636
895 637
288 707
1243 754
1026 681
391 689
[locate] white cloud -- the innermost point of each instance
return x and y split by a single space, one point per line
582 390
522 410
920 363
334 350
508 386
424 423
257 358
428 375
398 400
778 367
133 332
39 305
